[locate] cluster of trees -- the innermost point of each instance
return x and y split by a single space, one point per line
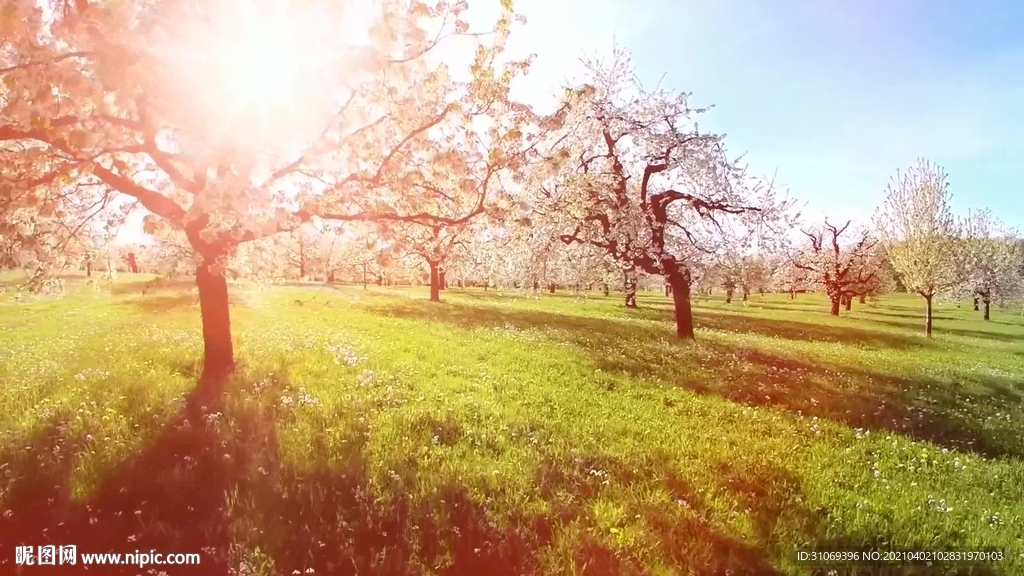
381 162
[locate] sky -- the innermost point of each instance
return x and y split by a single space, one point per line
831 97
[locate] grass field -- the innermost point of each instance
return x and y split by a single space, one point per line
377 433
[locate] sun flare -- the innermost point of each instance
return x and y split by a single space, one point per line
259 72
261 60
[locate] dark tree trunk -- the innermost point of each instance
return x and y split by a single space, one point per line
792 294
680 283
88 269
630 286
745 295
435 282
442 281
380 280
668 289
536 284
987 304
364 275
214 308
862 299
728 296
835 305
849 303
605 289
551 287
976 303
928 316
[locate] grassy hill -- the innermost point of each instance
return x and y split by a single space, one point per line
372 432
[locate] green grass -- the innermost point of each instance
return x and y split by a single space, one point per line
377 433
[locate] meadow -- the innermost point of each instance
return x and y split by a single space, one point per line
374 432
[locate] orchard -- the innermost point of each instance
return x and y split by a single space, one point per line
314 287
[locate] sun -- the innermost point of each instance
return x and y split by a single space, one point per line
262 62
257 74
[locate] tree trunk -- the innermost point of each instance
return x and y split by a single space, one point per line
849 303
442 281
435 282
605 289
975 303
219 359
551 287
928 316
668 289
835 305
728 296
630 286
987 303
88 269
680 283
792 294
364 275
745 295
862 299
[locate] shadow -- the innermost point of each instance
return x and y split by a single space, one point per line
909 316
683 529
216 484
170 497
981 334
923 408
166 303
149 286
724 320
795 330
948 330
163 303
219 484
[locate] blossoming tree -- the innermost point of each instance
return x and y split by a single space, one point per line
842 268
230 122
920 233
637 179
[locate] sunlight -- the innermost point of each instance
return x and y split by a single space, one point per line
261 61
258 74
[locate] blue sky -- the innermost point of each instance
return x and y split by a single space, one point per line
834 95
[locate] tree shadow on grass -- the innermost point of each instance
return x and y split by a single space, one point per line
166 303
683 527
944 329
148 286
909 316
170 498
925 409
218 485
792 329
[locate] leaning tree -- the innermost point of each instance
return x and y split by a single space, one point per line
636 178
230 122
